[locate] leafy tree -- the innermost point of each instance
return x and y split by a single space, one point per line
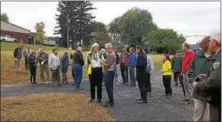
40 33
165 40
4 17
74 18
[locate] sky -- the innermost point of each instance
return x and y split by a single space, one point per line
187 18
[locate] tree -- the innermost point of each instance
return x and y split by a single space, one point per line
40 33
4 17
132 26
165 40
73 20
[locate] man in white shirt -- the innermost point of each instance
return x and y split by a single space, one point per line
54 65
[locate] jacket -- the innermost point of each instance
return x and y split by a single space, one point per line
54 61
89 70
141 61
166 68
186 59
65 62
32 61
125 59
150 65
132 60
176 64
200 65
117 58
18 53
78 58
43 58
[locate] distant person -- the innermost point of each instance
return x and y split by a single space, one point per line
95 72
176 67
166 71
54 65
26 53
32 67
103 51
17 58
116 76
124 65
150 69
44 67
211 84
78 63
186 60
141 74
132 66
108 77
201 64
64 67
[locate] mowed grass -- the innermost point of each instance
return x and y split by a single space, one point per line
51 107
8 76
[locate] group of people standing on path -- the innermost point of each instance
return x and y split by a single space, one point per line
199 76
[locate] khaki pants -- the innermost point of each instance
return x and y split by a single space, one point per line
44 69
55 76
201 110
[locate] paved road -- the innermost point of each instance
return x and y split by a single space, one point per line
158 108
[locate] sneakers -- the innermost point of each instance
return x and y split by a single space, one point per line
109 104
141 101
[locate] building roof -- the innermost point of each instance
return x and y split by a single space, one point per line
101 38
5 26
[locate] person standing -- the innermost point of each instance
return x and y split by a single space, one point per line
201 64
95 72
44 67
166 71
211 84
54 65
141 74
176 67
132 66
186 60
103 51
26 54
149 69
109 65
78 63
124 65
116 67
32 67
17 58
64 67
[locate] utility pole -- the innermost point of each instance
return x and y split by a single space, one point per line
67 30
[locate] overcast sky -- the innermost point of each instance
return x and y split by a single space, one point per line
187 18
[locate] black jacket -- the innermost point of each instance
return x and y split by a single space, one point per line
78 58
141 61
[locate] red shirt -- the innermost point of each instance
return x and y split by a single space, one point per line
187 58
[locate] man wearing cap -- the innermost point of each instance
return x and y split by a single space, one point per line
78 63
211 84
44 67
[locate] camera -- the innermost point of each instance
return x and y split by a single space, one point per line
197 79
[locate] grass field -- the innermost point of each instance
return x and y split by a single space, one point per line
8 76
51 107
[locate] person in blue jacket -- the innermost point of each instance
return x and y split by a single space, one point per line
65 65
132 66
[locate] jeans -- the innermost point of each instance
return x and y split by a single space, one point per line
77 74
124 72
116 72
132 75
187 86
108 80
176 77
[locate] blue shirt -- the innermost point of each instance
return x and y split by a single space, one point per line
132 59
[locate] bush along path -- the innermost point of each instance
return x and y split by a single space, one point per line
158 107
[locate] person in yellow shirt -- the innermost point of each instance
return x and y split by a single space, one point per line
166 71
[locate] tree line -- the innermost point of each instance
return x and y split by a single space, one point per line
136 26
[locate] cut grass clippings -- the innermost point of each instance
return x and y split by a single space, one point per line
51 107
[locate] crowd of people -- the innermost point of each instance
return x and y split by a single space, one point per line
197 73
